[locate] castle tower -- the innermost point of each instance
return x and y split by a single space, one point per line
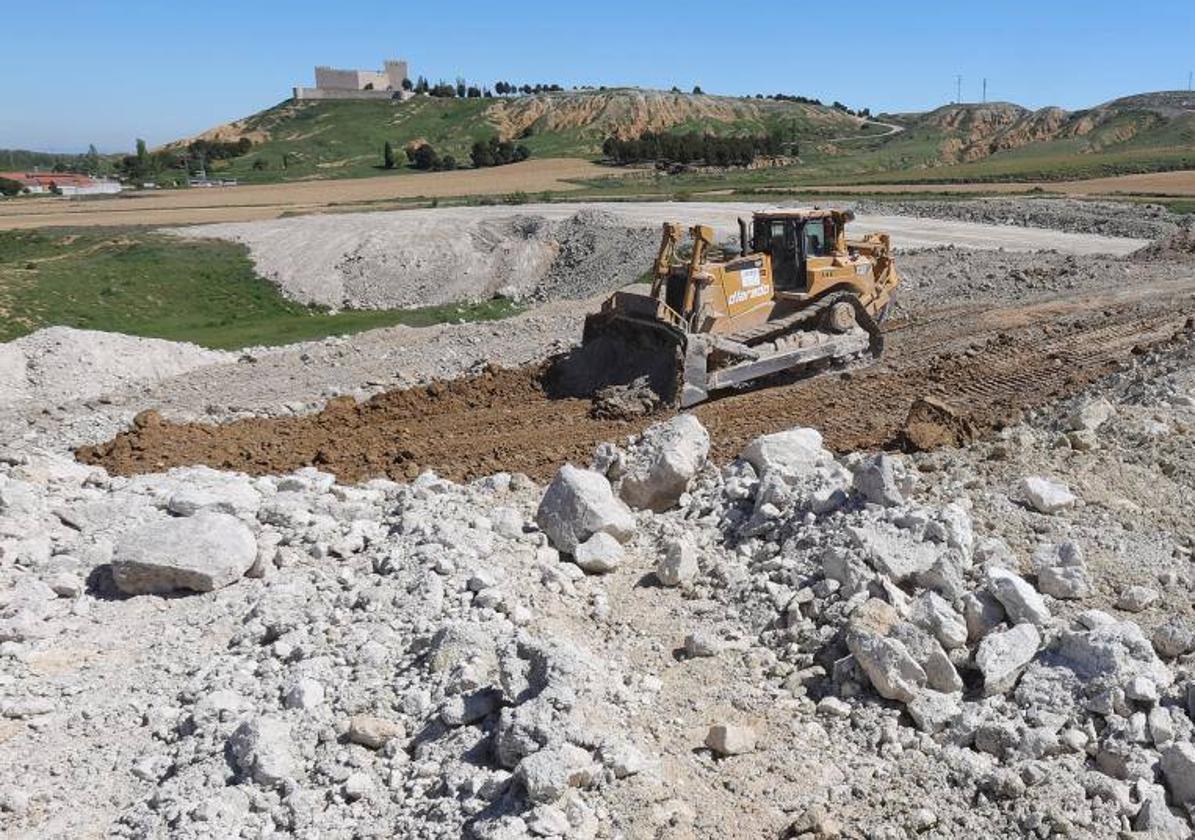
396 72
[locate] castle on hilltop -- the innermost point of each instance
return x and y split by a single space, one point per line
331 83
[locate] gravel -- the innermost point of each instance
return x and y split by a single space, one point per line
1106 218
414 258
60 363
421 660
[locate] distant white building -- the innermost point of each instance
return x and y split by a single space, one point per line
63 183
332 83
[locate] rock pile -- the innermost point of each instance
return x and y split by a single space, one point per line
643 645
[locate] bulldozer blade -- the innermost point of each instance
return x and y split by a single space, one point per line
619 350
699 382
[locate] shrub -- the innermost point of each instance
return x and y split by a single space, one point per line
425 158
495 152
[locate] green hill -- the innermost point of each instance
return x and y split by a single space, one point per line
1002 141
337 139
991 141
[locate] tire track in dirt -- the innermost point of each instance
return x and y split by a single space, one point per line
989 363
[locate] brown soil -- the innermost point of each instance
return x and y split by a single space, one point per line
269 201
988 364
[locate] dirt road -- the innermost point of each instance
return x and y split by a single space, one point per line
1180 183
907 231
990 363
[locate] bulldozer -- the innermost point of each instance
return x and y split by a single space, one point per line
798 298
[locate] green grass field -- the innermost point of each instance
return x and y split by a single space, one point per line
156 285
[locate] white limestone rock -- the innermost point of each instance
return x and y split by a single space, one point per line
892 552
791 454
1018 597
678 566
875 480
547 774
263 750
1002 656
1115 649
1046 496
199 553
1091 415
933 614
578 504
727 739
1136 599
658 467
599 554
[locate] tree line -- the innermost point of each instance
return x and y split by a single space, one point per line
144 164
491 152
461 89
692 147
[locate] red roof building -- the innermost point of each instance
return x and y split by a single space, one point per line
69 183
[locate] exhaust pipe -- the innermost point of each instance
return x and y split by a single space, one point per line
742 237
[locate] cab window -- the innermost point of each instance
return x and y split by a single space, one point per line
777 237
815 239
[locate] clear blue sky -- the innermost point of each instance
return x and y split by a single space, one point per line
73 73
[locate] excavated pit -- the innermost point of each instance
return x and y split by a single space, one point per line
989 364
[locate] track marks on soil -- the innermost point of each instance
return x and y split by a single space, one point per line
990 364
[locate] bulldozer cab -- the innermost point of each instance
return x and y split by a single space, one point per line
790 240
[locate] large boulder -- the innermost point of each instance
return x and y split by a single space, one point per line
795 473
199 553
1018 597
932 613
792 454
887 662
1002 657
1116 650
893 551
599 554
578 504
658 467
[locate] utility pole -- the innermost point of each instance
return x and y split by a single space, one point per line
985 90
958 89
1189 75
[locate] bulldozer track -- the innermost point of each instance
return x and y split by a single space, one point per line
989 363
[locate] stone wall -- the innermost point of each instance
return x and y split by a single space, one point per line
328 78
307 93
